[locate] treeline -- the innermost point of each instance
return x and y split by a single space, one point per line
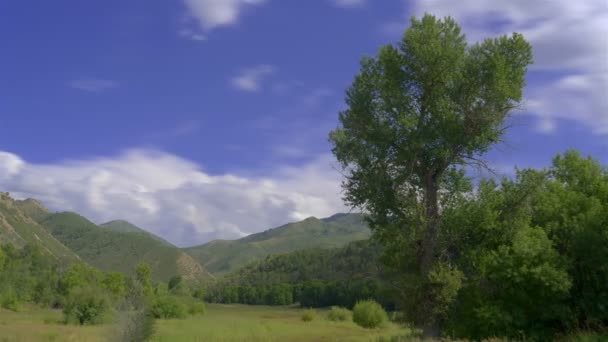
311 278
314 293
87 295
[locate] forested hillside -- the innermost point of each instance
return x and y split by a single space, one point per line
223 256
112 250
312 278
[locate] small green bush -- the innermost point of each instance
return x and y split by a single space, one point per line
198 308
369 314
309 315
88 305
9 300
168 307
338 314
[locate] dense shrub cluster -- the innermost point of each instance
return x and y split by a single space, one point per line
86 305
338 314
89 296
534 253
369 314
168 307
309 315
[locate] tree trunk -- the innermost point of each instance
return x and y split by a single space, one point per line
432 327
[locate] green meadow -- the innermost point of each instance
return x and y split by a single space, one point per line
222 323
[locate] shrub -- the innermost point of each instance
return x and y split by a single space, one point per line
338 314
309 315
9 300
86 306
369 314
168 307
134 326
198 308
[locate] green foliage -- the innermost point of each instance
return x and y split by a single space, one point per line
174 281
444 282
369 314
120 251
166 307
2 260
309 315
531 248
338 314
18 228
9 300
79 275
133 326
222 256
143 275
86 305
197 308
115 283
417 114
28 275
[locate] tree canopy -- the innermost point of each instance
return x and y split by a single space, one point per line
417 114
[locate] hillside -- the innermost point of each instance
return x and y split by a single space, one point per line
18 228
128 227
354 261
223 256
112 250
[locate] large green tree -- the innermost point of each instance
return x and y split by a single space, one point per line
417 114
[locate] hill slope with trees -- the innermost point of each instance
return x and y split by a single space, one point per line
19 229
111 250
224 256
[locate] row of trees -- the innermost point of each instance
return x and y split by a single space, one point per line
87 295
314 293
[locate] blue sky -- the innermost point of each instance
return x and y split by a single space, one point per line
202 119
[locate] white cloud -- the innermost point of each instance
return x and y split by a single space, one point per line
568 39
349 3
250 79
211 14
174 197
93 85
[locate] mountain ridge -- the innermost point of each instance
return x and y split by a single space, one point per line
223 256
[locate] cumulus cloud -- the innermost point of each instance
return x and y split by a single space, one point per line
568 39
173 197
93 85
250 79
211 14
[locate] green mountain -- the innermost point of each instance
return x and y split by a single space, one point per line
112 250
128 227
19 227
224 256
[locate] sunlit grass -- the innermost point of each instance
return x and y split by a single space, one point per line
35 324
262 323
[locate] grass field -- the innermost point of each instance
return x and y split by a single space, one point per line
259 323
36 324
222 323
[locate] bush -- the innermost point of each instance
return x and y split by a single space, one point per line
168 307
134 326
338 314
9 300
198 308
369 314
309 315
86 306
